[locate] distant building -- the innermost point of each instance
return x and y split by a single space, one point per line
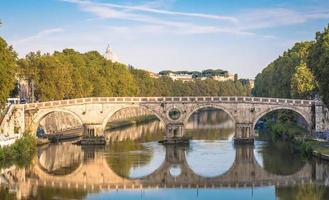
153 75
109 55
226 77
181 77
185 76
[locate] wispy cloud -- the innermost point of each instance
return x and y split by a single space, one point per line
37 36
124 12
276 17
244 23
147 8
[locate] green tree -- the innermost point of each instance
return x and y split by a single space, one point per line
8 70
276 79
302 82
319 63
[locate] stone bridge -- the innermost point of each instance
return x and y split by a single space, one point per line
94 113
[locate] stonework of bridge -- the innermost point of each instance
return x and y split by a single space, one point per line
96 174
94 113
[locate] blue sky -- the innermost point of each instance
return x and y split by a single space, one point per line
240 36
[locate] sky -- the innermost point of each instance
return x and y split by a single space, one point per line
238 35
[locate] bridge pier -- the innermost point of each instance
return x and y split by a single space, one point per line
244 133
93 130
319 116
174 133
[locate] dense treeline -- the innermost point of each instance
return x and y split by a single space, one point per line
71 74
301 72
288 76
319 62
8 69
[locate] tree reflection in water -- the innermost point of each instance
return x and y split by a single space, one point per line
123 156
303 192
128 156
280 158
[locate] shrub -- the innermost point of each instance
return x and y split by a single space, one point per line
20 153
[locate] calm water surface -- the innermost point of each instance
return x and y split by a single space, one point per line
135 166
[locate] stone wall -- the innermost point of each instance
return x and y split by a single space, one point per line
326 119
59 121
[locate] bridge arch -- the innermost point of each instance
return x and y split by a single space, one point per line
304 115
208 106
110 114
43 114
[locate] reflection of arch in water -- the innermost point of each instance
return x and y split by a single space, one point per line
135 161
244 169
244 172
60 159
219 153
281 163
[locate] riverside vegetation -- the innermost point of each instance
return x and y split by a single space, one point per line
282 127
303 72
20 153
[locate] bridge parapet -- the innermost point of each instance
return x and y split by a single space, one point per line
196 99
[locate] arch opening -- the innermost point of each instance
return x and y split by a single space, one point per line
217 157
60 159
135 160
210 123
136 123
283 122
59 124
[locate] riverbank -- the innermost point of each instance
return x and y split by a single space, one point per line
130 122
320 149
20 153
298 137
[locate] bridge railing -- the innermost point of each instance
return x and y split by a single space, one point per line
201 99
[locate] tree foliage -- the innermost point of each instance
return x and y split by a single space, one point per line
302 82
70 74
319 63
8 70
288 76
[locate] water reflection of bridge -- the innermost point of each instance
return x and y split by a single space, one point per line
96 174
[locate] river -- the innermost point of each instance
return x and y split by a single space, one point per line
135 166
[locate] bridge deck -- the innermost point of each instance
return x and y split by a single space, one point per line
196 99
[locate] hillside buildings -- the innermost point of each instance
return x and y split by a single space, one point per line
186 76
